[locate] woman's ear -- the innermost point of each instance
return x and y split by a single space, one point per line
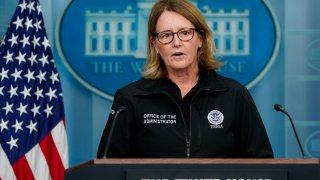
200 42
153 44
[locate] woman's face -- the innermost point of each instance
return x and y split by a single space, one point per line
177 55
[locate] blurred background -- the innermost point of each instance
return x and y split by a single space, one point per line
292 79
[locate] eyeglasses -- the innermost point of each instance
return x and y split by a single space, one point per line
166 37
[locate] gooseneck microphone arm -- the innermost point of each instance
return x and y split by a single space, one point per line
106 137
278 107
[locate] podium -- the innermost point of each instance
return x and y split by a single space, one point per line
196 169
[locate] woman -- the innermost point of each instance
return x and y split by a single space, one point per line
182 107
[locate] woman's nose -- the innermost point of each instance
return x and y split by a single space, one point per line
176 40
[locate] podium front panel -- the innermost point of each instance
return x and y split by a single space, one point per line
141 169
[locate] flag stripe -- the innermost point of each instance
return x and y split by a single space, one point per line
52 157
22 169
33 137
59 136
6 171
38 163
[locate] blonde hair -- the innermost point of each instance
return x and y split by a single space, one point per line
155 67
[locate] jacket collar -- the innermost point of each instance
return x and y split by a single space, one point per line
209 80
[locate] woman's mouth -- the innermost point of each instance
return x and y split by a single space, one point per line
178 54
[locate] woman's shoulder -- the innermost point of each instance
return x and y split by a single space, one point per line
217 79
132 85
140 84
230 82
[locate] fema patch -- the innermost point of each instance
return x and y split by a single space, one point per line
103 44
215 117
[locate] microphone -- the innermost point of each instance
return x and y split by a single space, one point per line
106 137
278 107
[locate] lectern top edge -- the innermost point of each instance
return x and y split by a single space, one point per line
203 161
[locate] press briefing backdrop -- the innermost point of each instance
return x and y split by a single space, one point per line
286 49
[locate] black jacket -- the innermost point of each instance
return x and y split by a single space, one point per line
222 121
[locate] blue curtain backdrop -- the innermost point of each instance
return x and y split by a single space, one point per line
293 81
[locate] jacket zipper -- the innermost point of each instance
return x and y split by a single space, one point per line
188 148
185 125
187 138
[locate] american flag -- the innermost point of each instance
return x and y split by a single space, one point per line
33 140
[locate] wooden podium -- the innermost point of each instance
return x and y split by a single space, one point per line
197 169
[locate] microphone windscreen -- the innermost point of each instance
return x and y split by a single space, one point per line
278 107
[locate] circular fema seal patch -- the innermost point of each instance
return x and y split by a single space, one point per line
215 117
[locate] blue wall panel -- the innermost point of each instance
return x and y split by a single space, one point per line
293 81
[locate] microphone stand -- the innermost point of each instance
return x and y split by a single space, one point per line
106 137
279 108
